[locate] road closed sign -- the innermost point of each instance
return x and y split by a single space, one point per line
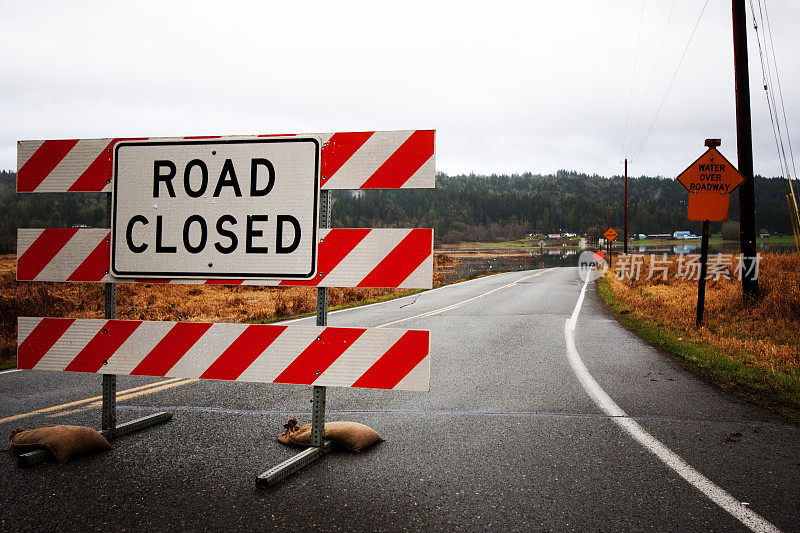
216 208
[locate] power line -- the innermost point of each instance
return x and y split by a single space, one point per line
633 78
653 71
766 79
672 81
780 90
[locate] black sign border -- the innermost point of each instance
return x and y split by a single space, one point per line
218 275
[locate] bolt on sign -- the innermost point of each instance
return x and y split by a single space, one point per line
710 181
216 208
610 234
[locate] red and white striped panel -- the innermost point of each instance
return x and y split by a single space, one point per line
379 160
371 358
400 258
350 160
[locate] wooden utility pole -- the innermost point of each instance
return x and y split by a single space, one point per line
625 228
744 146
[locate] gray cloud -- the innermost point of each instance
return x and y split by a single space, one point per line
511 87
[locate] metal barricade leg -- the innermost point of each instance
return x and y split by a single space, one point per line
109 428
319 446
109 422
109 403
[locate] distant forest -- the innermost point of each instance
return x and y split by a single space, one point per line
460 208
491 208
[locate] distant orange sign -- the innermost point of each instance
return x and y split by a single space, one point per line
710 181
610 234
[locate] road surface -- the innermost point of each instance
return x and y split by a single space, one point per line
544 414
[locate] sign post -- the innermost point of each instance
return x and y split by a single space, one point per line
701 287
610 235
319 446
710 181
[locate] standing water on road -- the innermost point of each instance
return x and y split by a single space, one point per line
470 262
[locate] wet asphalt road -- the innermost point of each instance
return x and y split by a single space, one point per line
506 438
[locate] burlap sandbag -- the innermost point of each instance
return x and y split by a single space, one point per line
348 435
64 442
351 435
294 435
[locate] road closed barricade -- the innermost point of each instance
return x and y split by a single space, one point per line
241 210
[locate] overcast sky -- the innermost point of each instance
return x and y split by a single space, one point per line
509 86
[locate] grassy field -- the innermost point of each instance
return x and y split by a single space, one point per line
193 303
752 351
777 240
527 242
712 241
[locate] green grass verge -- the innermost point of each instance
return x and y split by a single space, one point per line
5 364
776 391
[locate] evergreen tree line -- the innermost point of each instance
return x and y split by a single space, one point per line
487 208
460 208
45 210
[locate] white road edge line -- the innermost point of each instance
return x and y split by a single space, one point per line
9 371
715 493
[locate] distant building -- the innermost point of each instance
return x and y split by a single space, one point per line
684 235
553 235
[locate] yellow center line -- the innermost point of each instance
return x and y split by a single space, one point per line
127 395
155 386
459 304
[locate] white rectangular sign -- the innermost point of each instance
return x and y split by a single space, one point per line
216 209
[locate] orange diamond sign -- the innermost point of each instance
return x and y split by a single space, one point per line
610 234
710 181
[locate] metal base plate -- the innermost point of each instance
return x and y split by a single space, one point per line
293 464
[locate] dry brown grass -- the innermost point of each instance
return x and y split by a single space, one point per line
764 335
193 303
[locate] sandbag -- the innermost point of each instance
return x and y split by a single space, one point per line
294 435
351 436
64 442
